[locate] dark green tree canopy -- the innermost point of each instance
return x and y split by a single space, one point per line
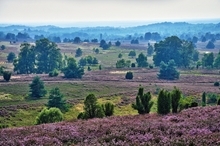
117 43
25 64
163 102
168 71
72 70
56 100
208 60
142 60
48 56
78 52
143 102
150 49
132 54
173 48
210 45
11 56
37 88
77 40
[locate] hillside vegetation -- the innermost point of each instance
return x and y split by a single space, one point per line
195 126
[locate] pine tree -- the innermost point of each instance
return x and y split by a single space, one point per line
175 98
203 99
108 109
163 102
56 100
37 88
143 102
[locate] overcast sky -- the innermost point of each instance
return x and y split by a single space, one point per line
62 11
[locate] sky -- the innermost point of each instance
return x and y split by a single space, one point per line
91 11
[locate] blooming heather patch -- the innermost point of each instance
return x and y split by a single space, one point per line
195 126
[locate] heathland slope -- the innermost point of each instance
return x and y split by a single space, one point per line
195 126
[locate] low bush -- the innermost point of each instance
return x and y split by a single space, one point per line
53 73
49 116
216 84
7 75
129 75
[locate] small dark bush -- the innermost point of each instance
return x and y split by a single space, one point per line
133 65
53 73
151 66
7 75
129 75
216 84
194 104
218 103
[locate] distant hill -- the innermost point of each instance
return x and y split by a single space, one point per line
113 33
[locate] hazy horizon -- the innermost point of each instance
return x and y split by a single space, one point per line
86 13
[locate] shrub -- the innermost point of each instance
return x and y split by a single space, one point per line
91 108
151 66
203 99
119 55
218 103
194 104
53 73
100 67
175 98
49 116
143 102
216 84
7 75
108 109
133 65
163 102
212 98
187 102
129 75
89 68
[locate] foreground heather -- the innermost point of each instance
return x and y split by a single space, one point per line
196 126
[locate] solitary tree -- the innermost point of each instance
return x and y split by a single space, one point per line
129 75
6 75
163 102
78 52
3 47
210 45
117 43
142 60
56 100
77 40
143 102
11 56
132 54
175 98
91 108
37 88
108 109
